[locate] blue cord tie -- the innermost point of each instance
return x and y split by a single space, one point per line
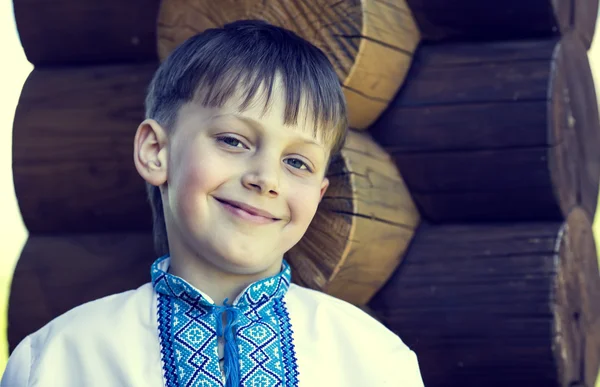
231 364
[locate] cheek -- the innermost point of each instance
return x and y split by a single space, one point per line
303 204
193 180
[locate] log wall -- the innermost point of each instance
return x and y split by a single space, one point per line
499 304
497 131
497 121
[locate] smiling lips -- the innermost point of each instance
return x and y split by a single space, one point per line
247 212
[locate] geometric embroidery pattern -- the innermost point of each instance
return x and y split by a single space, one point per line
187 324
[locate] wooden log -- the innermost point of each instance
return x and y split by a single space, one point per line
362 228
473 20
56 273
72 149
499 131
499 304
87 31
369 42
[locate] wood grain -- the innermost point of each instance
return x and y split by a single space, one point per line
497 131
576 308
362 228
72 149
87 31
370 43
499 304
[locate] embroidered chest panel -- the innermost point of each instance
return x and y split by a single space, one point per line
188 330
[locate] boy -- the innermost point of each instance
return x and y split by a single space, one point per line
241 124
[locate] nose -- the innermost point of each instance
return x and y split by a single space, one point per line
263 177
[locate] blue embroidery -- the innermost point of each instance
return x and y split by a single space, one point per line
287 344
164 325
260 331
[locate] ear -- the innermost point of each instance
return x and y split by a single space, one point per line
150 152
324 186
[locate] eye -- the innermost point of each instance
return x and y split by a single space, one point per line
231 141
297 163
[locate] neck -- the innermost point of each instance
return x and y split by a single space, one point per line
214 281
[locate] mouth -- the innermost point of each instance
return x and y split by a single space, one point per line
247 212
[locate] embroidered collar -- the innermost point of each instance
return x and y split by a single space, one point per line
257 293
258 338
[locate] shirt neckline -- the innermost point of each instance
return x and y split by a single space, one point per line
257 293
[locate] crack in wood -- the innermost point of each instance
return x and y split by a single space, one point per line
377 41
376 219
362 94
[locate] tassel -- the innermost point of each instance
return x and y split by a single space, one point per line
231 363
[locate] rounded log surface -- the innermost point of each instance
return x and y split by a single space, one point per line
57 273
87 31
511 304
497 131
362 228
370 43
73 149
474 20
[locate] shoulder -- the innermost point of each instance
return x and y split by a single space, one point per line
358 341
324 308
102 323
112 311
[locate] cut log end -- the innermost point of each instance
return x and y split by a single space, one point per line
362 227
370 43
583 121
577 310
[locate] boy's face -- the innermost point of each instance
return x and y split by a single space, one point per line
242 187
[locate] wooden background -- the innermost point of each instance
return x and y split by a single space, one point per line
14 230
